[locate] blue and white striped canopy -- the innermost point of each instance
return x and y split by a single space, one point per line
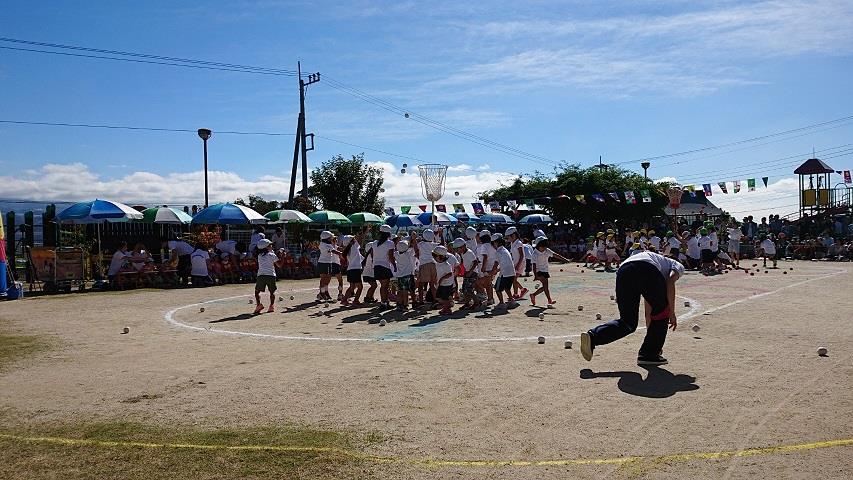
97 211
228 214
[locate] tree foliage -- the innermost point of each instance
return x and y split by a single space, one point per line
572 180
259 204
348 185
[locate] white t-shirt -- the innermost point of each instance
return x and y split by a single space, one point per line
180 247
655 241
663 264
528 252
488 251
354 257
705 243
514 248
425 252
380 254
405 263
326 255
441 269
693 250
227 246
266 263
368 263
611 245
768 246
472 244
504 258
600 246
277 241
468 259
735 234
117 261
715 241
199 260
540 259
674 244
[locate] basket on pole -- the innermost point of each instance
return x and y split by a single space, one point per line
674 193
433 176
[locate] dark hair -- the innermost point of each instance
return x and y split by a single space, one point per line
486 238
260 229
500 241
543 243
278 229
122 244
326 240
383 237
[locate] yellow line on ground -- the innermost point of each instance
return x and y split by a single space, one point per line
434 462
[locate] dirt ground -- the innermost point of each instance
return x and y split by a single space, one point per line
470 388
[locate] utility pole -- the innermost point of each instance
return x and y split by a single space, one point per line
301 145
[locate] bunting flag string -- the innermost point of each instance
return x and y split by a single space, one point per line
458 208
691 189
512 204
494 206
646 197
598 197
389 211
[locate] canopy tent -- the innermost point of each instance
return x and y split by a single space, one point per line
228 214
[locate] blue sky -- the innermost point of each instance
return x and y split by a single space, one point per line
562 80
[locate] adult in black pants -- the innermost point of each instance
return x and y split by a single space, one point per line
652 277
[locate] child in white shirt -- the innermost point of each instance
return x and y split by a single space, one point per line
352 252
404 259
542 254
506 275
768 250
443 278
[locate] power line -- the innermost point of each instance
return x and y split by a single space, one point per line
150 129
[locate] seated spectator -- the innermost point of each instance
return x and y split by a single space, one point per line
118 262
140 258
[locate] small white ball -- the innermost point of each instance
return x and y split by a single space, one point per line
568 344
382 322
541 340
598 316
695 327
541 317
822 351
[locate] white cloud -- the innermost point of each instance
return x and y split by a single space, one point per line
77 182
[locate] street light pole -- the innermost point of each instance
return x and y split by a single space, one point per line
205 134
646 166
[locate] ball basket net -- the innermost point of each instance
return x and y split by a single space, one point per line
432 181
674 193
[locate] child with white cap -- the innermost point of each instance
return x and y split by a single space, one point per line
486 256
382 256
352 252
267 261
471 239
404 260
326 265
516 251
443 278
367 272
542 254
468 267
426 271
506 276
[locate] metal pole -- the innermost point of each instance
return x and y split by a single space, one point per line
205 174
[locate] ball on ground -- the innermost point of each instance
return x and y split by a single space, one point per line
382 322
686 304
541 340
280 299
792 268
580 308
695 328
822 351
751 274
541 317
201 310
784 273
598 316
581 271
291 297
326 305
613 297
251 301
125 330
561 269
568 344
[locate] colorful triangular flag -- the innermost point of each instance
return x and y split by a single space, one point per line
646 197
494 206
512 204
423 207
478 208
458 208
389 211
405 209
441 208
691 189
530 204
581 199
847 176
723 187
629 198
750 184
707 188
615 196
736 188
598 197
764 179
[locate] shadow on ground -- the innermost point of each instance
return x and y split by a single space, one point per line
659 383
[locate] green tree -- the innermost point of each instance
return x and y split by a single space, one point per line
259 204
348 185
568 181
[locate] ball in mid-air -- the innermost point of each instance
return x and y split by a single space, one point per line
251 301
456 193
403 170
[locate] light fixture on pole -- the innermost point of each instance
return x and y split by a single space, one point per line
205 134
646 166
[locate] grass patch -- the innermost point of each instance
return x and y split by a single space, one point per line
33 459
14 347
